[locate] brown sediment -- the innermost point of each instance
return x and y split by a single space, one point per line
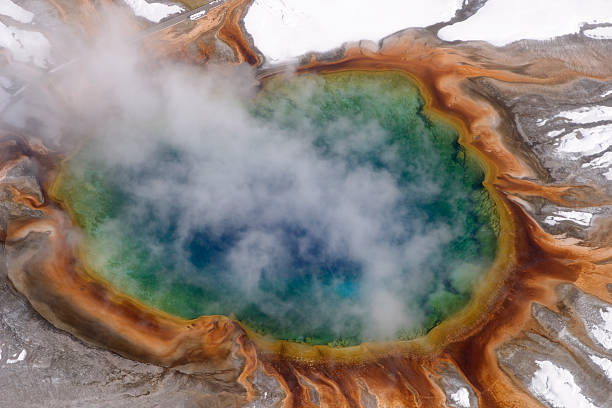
567 196
223 22
46 265
231 32
62 292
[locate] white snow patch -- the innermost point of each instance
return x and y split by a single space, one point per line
197 15
286 29
461 397
17 13
154 12
587 141
25 46
599 33
541 122
605 364
605 160
501 22
556 386
554 133
602 162
584 141
607 93
603 332
587 114
19 358
579 217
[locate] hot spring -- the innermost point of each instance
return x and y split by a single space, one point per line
327 209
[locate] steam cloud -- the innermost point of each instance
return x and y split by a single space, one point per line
237 172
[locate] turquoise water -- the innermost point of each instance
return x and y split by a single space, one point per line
354 215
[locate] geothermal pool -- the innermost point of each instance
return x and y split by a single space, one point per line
327 209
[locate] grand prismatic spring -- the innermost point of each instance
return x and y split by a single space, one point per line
387 187
218 208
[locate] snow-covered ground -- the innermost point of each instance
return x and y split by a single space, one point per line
578 217
604 364
602 162
17 358
600 33
461 398
25 46
17 13
154 12
586 141
501 22
587 114
557 386
31 46
603 332
286 29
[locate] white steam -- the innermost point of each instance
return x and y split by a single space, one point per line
236 171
